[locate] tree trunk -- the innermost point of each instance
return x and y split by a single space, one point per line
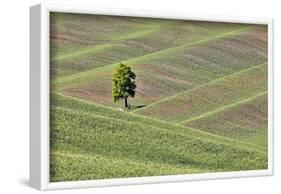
126 102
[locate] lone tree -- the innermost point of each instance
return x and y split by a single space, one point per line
123 84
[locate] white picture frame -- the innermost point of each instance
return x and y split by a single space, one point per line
39 97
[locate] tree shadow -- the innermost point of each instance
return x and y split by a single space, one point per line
132 107
140 106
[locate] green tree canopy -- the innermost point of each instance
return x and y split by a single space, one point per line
123 85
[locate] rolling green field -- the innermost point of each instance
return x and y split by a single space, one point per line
200 104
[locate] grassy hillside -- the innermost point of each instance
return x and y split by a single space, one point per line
246 121
92 166
66 102
105 40
111 140
210 97
200 103
167 72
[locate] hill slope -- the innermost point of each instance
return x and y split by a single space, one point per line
246 121
117 142
210 97
173 70
200 104
106 39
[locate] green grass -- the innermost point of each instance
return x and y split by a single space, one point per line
200 104
226 107
166 75
161 75
81 52
133 36
246 121
209 97
66 102
91 166
90 134
86 75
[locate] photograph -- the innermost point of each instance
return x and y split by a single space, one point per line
143 96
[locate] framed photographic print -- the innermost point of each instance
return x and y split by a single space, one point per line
124 97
